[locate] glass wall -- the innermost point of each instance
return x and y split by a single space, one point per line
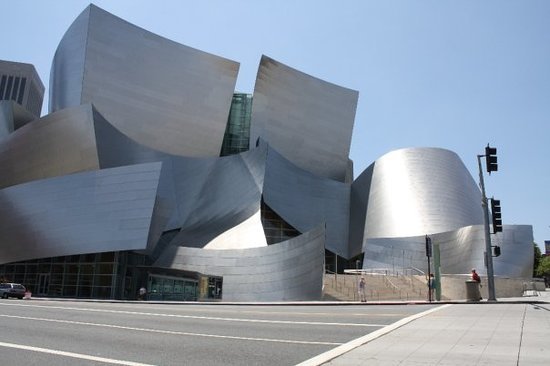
106 275
275 228
171 288
237 132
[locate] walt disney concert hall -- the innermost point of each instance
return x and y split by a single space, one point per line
150 170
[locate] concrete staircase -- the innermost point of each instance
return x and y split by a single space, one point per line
343 287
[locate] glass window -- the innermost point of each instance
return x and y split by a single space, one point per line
69 291
87 269
8 88
107 257
21 90
156 284
178 287
15 88
168 286
3 82
71 280
103 280
105 268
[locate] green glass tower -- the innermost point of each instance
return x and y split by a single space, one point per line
237 131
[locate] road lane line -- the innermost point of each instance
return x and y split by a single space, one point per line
73 355
202 317
172 332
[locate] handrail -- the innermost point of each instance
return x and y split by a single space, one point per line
418 270
368 271
386 279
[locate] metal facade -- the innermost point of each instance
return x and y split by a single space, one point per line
57 144
287 271
162 94
461 250
127 160
420 191
90 212
305 200
308 120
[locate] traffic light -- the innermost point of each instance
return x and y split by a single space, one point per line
497 250
491 159
497 215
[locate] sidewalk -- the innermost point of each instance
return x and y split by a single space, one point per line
510 332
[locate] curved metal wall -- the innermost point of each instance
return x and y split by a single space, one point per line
162 94
461 250
309 121
57 144
203 197
91 212
517 251
67 70
305 200
287 271
217 195
419 191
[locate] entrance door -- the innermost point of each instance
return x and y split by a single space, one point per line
43 284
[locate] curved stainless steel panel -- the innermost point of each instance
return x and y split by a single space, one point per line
359 200
461 250
309 121
287 271
162 94
57 144
91 212
67 71
517 251
305 200
218 194
203 197
420 191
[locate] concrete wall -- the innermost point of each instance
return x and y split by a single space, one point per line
453 287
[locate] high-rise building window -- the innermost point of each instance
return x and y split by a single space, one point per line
3 82
21 90
15 88
8 88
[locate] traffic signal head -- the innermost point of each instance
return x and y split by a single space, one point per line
497 215
497 250
491 159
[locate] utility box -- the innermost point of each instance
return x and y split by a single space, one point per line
472 291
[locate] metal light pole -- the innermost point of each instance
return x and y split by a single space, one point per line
488 248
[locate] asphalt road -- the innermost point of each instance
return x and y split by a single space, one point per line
37 332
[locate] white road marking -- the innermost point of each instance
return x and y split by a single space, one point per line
170 331
201 317
72 354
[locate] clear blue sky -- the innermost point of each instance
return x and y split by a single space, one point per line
450 74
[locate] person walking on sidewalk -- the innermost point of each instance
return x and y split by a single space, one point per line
431 287
363 290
